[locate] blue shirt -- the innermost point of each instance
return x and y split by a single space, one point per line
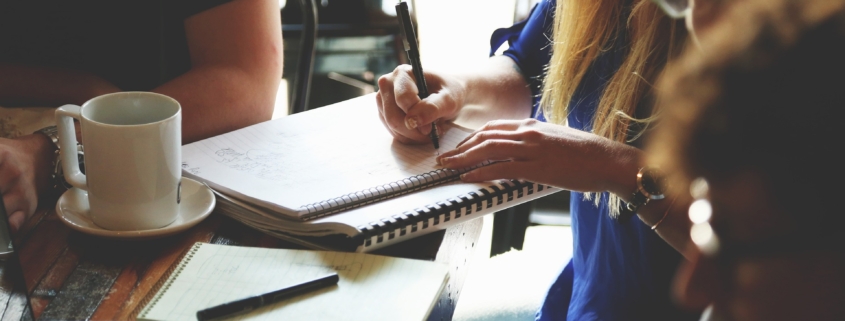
620 270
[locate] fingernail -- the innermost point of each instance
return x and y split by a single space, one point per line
411 123
441 160
444 160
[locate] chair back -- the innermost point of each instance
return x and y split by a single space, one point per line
305 64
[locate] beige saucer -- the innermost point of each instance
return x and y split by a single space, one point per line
197 203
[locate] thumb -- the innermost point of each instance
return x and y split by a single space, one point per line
436 106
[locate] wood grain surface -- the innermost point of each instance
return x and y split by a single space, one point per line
73 276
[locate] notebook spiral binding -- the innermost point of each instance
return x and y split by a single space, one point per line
375 194
452 208
162 285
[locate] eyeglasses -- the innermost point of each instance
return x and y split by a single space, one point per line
676 9
720 248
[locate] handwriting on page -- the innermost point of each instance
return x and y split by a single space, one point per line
271 160
317 160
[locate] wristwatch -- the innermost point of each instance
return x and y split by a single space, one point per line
651 185
58 173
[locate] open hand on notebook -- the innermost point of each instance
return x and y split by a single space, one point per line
545 153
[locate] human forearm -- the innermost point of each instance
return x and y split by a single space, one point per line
216 100
23 85
568 158
670 212
495 90
236 68
675 225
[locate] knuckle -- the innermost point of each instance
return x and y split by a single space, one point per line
383 82
532 134
490 124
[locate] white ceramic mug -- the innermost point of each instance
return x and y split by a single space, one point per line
133 157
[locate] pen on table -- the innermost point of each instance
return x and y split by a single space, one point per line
413 52
254 302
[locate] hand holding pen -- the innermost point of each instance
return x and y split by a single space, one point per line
412 50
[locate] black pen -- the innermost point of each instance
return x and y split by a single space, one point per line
251 303
413 52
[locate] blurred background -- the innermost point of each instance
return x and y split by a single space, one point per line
360 40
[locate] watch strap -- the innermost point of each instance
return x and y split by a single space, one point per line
637 200
59 182
52 132
642 195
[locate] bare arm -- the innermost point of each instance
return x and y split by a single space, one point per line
499 91
675 227
236 57
568 158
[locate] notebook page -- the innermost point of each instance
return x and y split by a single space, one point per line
310 157
371 287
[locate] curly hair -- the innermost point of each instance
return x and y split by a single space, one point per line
767 96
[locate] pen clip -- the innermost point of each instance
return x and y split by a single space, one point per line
405 44
405 25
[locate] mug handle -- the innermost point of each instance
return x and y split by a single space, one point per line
67 142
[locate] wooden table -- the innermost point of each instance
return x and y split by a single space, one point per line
74 276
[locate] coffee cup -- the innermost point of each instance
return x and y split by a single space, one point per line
132 149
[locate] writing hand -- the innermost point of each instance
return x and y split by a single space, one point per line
545 153
405 115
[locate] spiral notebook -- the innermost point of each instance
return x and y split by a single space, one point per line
336 171
371 287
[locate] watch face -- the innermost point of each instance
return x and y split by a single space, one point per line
653 182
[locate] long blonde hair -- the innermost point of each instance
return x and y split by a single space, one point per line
583 30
